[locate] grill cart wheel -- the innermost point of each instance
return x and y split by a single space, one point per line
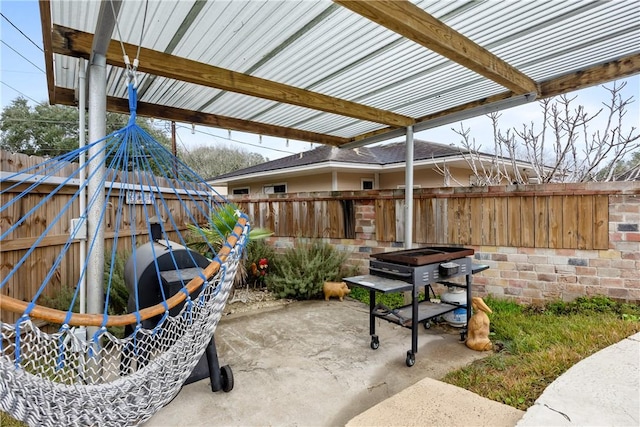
375 343
411 358
226 375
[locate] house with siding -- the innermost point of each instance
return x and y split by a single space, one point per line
327 168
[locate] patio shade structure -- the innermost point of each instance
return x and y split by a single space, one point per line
342 73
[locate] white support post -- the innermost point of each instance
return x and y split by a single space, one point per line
408 191
82 129
95 230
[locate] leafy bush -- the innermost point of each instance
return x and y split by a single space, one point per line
208 240
119 293
300 272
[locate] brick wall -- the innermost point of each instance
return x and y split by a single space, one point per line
532 275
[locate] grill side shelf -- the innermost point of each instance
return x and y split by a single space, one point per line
377 283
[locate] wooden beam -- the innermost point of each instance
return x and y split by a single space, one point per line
66 96
598 74
453 110
412 22
67 41
45 22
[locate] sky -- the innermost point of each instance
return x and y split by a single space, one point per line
22 74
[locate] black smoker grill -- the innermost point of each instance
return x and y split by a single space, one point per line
410 270
189 265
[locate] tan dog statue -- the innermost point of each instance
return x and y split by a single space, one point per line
478 328
335 289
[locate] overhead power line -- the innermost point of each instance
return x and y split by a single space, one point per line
20 31
13 88
22 56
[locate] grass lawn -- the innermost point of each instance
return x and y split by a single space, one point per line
535 345
539 344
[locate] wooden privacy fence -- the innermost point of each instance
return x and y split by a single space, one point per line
31 273
534 221
544 216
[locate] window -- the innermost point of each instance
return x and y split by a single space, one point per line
273 189
367 184
240 191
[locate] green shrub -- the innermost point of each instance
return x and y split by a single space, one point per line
118 294
300 272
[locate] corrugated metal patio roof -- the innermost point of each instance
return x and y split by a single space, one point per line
341 72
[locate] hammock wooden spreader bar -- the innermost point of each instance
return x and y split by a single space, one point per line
77 319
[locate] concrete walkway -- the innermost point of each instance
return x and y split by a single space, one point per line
310 364
601 390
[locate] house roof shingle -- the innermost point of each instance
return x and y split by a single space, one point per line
380 155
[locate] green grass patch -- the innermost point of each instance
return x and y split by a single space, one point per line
391 300
539 344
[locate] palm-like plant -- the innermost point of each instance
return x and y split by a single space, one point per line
209 240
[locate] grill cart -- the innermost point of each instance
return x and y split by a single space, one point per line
412 270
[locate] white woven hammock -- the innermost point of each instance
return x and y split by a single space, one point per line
59 378
91 387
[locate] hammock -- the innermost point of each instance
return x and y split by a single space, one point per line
80 372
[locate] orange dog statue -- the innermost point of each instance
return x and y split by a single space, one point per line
478 328
335 289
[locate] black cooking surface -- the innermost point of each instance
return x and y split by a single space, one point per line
423 256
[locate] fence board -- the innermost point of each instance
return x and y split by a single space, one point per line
585 223
555 222
385 220
601 222
514 221
488 221
453 231
476 219
464 221
502 221
528 222
541 212
569 222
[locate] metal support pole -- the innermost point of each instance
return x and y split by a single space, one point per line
82 129
408 192
95 230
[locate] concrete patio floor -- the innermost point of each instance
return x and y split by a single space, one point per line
310 364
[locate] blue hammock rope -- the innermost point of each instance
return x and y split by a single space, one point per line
145 181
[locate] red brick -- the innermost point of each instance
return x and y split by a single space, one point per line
589 280
586 271
632 237
632 283
567 279
610 282
598 262
509 274
609 272
616 237
528 275
545 268
547 277
516 283
618 293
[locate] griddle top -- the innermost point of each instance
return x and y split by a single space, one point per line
424 256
